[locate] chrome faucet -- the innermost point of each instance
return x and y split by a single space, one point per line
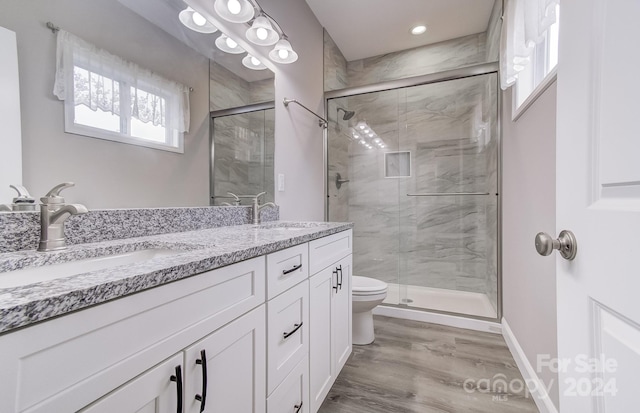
236 199
53 213
257 207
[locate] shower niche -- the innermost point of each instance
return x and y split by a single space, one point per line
422 191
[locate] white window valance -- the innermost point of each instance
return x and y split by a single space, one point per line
97 79
525 24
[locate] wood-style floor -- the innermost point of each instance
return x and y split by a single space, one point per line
422 368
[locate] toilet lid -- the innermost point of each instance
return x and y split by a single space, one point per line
367 285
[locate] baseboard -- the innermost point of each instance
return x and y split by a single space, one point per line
437 318
536 386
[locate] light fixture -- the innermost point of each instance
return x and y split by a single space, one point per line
262 32
283 52
253 63
234 11
227 44
417 30
196 21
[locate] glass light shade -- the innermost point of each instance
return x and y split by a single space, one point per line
196 22
229 10
224 43
283 52
262 33
253 63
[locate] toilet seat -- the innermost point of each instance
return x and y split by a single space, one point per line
365 286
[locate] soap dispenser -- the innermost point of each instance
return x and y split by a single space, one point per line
23 202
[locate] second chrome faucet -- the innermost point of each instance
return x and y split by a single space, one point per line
257 207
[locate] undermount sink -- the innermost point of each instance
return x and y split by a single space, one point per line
291 226
30 275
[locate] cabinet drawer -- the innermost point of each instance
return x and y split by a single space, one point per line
292 392
64 364
328 250
288 333
287 268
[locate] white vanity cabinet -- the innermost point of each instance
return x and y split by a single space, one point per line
330 313
259 336
68 363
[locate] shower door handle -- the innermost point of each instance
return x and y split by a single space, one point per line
566 244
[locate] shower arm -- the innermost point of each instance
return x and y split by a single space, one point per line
322 122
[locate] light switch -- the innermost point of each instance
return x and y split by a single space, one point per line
280 182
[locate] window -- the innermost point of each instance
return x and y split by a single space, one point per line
528 49
109 98
543 61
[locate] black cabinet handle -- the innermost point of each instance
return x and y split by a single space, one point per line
339 282
335 287
295 268
203 362
296 328
178 379
298 407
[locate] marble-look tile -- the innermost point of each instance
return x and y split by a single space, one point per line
21 230
335 65
493 33
438 57
200 251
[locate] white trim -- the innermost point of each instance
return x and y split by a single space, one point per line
537 389
516 112
437 318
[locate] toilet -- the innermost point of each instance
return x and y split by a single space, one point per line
367 293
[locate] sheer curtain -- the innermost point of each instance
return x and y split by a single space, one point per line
525 24
95 78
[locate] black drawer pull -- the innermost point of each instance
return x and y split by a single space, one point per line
298 407
203 362
335 287
296 328
339 268
295 268
178 379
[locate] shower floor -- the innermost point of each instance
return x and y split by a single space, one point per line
461 302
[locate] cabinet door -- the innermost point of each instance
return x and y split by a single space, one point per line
288 333
321 372
292 395
233 376
341 315
152 392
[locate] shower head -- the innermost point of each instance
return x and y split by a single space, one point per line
348 114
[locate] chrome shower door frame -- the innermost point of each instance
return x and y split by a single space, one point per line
455 74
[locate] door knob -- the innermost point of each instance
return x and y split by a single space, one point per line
566 244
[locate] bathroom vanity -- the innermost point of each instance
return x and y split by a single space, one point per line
233 319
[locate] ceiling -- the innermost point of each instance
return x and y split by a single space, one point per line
366 28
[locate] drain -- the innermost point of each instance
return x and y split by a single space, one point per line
407 300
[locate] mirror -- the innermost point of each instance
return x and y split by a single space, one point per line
116 175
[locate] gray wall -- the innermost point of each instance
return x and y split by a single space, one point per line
107 174
528 207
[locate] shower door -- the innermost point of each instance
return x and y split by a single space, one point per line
418 176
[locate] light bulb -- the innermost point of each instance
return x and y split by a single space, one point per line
231 43
255 61
371 135
367 131
234 6
262 33
361 126
283 53
198 19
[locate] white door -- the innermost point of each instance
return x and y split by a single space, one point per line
158 390
233 379
598 198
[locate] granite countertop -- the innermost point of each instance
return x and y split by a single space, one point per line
191 252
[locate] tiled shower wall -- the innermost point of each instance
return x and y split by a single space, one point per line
443 242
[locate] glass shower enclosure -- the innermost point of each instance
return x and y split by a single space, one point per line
416 169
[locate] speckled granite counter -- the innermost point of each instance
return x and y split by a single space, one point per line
199 251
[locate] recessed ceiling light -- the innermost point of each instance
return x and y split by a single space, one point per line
418 30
